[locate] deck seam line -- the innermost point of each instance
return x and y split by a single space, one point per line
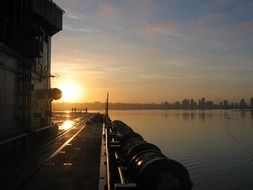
64 144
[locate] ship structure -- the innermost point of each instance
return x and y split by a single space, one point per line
26 30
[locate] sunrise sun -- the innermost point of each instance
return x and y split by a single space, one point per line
71 92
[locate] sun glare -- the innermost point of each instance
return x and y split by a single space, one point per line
66 125
71 92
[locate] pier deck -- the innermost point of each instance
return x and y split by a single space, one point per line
71 162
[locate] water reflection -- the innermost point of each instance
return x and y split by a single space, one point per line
186 116
210 143
191 115
243 114
66 125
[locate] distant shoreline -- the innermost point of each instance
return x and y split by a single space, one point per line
83 110
150 106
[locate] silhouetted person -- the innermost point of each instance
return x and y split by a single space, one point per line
86 110
75 109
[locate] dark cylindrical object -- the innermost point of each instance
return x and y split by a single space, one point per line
154 171
145 164
120 128
129 138
131 151
55 94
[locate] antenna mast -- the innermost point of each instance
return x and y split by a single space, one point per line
107 105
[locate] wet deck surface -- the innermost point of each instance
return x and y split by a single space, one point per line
71 162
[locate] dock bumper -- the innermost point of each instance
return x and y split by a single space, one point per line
133 163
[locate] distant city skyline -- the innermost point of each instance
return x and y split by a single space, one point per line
154 50
201 103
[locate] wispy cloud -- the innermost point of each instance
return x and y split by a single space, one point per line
156 28
110 12
86 29
145 8
72 16
215 17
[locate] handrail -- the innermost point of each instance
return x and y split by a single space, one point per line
112 156
42 128
122 179
12 139
108 175
121 176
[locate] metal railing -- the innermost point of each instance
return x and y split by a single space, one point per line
115 178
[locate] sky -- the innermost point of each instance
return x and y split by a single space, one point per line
150 51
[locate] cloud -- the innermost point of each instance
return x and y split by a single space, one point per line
110 12
145 8
215 18
156 28
248 25
86 29
72 16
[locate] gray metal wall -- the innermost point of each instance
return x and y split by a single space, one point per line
8 96
41 106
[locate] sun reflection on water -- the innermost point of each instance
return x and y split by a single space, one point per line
66 125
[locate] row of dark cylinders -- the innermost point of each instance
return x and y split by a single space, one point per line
144 163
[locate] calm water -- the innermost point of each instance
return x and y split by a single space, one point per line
215 146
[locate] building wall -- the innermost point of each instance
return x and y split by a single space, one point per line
26 28
9 115
41 107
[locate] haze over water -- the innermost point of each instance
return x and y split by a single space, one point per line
216 146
